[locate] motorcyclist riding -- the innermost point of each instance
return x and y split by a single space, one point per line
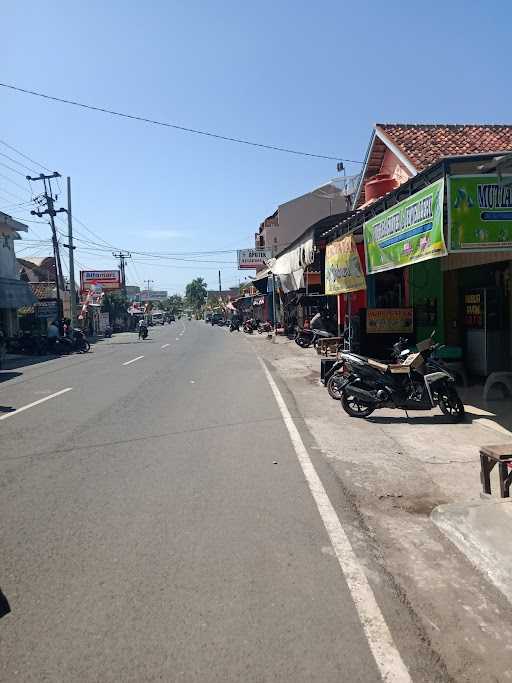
143 329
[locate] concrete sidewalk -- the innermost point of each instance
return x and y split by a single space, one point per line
396 471
481 530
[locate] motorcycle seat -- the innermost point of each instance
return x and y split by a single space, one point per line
322 333
398 369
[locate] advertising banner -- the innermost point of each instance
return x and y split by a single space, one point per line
409 232
104 279
253 258
159 295
389 320
479 213
343 271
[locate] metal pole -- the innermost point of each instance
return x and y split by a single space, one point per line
72 290
274 315
220 285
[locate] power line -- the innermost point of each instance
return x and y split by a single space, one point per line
15 161
184 129
37 163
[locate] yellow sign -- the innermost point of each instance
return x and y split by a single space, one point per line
389 320
343 272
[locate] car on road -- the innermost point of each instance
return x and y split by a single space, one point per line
217 319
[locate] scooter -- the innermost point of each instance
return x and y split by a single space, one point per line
143 332
234 326
307 337
417 382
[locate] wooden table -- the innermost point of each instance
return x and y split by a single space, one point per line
489 456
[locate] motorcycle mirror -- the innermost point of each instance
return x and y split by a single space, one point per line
432 334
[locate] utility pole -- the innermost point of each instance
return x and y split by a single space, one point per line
148 283
51 212
122 256
220 285
72 290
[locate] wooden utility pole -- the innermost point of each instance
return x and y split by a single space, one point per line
51 212
122 256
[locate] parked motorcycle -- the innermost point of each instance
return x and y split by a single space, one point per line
264 327
250 325
307 337
417 382
234 326
80 342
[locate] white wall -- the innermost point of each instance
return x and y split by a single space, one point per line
299 214
7 256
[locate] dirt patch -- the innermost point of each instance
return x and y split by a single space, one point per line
415 505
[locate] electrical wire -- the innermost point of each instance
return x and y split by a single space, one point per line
37 163
184 129
15 161
13 182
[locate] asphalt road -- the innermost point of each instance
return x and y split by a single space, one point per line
158 523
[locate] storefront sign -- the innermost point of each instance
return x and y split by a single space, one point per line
104 279
253 258
473 309
343 271
47 310
160 295
480 213
410 232
259 301
389 320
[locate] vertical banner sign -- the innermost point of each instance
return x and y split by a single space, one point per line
480 213
343 272
409 232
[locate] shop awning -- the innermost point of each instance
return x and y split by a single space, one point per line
15 294
290 265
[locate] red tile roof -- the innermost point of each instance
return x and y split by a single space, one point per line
424 144
43 290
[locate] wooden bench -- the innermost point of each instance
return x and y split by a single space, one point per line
489 456
328 346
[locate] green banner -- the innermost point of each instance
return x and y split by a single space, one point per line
480 213
410 232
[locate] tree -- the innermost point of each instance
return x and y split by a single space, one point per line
174 304
115 304
196 293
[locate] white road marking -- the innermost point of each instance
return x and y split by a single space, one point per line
133 360
380 640
165 346
36 403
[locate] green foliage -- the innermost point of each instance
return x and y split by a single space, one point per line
196 293
174 304
115 304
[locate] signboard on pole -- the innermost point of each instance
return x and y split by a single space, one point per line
343 271
479 213
253 258
95 279
389 320
409 232
153 295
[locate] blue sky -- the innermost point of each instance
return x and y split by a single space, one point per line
304 75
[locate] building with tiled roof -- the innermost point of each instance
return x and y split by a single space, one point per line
402 150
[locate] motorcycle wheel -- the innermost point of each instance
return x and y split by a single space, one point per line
332 386
451 405
85 346
303 342
355 407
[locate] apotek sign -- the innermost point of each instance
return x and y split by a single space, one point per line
409 232
253 258
96 279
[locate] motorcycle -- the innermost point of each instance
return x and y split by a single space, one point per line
417 382
248 326
264 327
234 326
80 342
307 337
143 332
